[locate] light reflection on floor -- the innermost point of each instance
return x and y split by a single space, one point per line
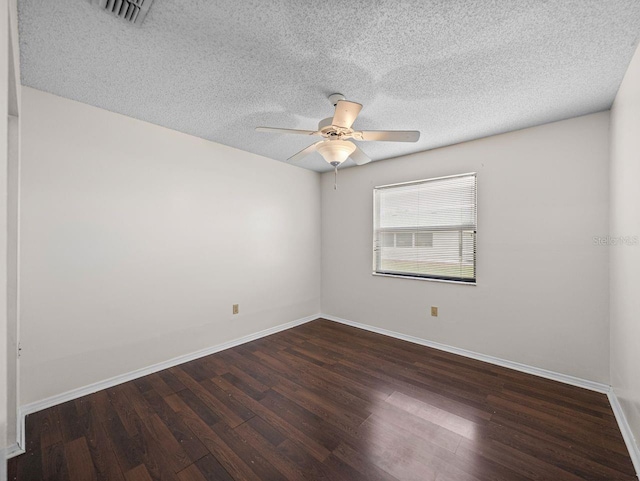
413 440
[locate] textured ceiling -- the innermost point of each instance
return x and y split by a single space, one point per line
455 70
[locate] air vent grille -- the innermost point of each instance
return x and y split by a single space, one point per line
133 11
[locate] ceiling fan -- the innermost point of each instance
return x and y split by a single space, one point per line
337 131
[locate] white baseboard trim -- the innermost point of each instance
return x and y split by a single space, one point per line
23 411
536 371
13 450
625 429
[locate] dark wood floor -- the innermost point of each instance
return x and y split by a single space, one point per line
326 401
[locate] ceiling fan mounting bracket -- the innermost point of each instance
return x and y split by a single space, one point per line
334 98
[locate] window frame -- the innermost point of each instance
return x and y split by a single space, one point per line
418 277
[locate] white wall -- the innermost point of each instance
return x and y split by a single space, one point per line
10 168
542 295
625 258
13 176
4 111
136 240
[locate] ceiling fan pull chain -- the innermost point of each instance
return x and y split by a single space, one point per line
335 177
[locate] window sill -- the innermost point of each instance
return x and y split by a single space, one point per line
425 279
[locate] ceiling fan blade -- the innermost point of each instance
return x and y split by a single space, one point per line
346 113
276 130
389 135
304 152
359 157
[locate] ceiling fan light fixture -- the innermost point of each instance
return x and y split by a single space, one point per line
336 152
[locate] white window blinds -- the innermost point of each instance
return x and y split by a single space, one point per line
426 229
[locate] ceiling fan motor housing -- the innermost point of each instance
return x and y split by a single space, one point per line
330 131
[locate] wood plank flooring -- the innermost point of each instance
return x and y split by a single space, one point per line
324 401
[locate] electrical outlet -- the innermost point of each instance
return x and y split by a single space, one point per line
434 311
236 308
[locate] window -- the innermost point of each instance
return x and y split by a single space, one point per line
387 239
404 239
426 229
424 239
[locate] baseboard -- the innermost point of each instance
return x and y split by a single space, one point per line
625 429
23 411
13 450
536 371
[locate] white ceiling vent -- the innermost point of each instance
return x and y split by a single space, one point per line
133 11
